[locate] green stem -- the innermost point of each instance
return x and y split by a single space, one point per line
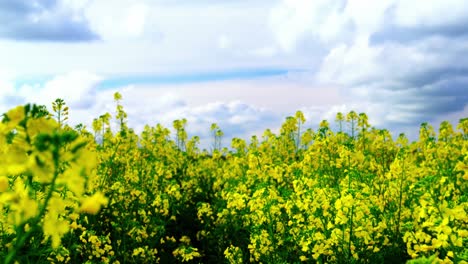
400 201
350 231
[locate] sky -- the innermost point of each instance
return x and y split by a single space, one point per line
245 65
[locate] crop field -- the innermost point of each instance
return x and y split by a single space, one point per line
354 195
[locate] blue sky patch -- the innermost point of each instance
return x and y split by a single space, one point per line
191 78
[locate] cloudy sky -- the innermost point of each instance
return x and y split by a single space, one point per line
245 65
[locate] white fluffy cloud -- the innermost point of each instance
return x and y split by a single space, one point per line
291 20
77 88
124 19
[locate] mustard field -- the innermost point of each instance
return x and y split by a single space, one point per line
349 195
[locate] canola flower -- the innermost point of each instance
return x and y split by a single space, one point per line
356 195
45 179
3 183
92 204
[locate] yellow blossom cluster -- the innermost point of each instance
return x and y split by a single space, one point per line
44 172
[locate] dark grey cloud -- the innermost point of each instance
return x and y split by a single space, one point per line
416 74
421 104
432 92
43 20
426 102
400 34
395 32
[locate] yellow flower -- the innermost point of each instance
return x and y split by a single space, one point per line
3 183
55 228
185 254
138 251
92 205
185 240
74 225
15 115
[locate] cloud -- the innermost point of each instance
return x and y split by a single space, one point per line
7 92
224 42
308 30
135 19
268 51
415 83
118 19
413 21
367 16
293 20
433 13
43 20
342 20
77 88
